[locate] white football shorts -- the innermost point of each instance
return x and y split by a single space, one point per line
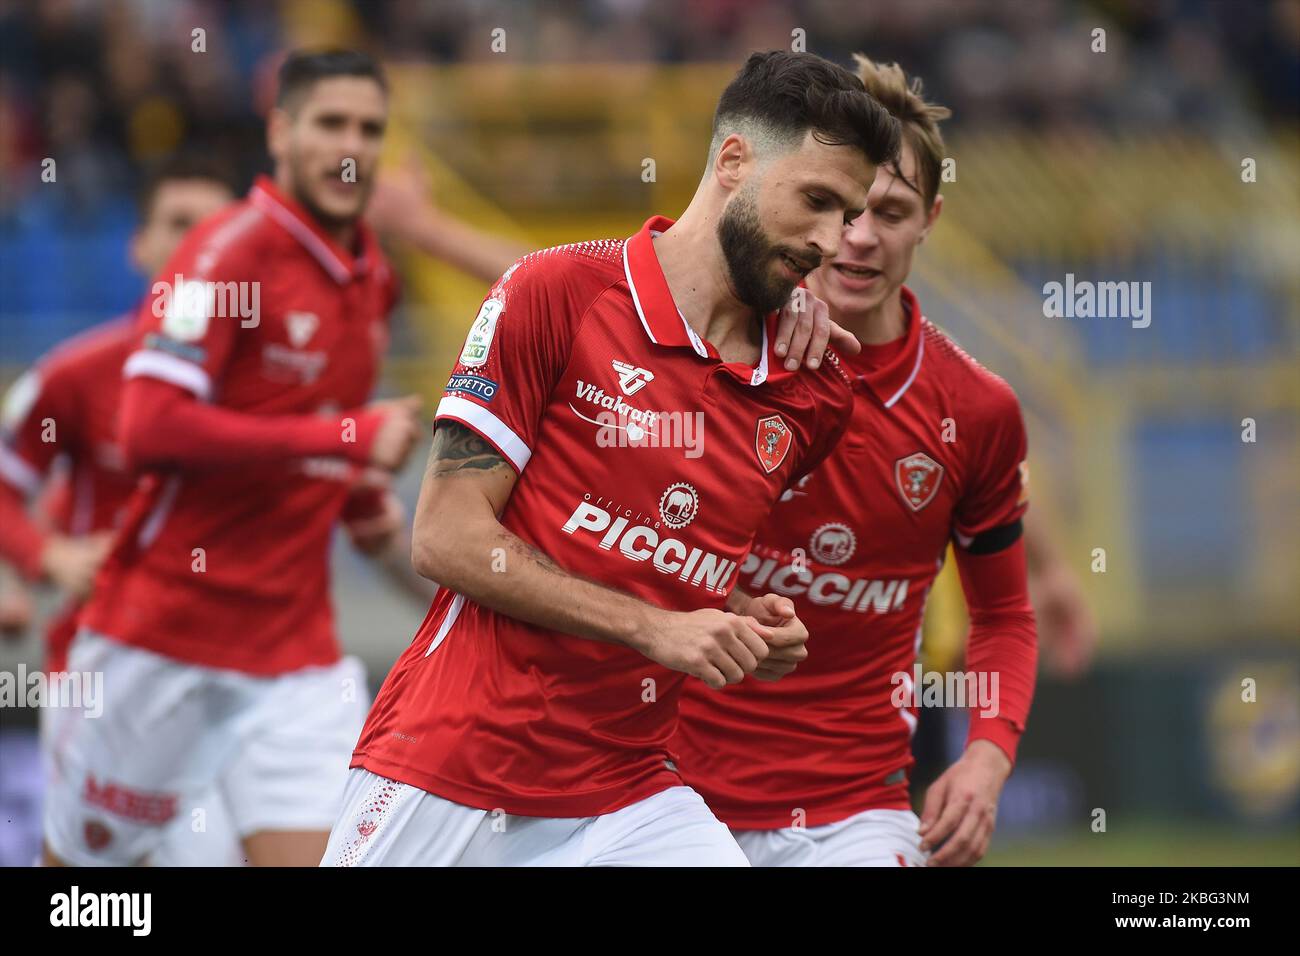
172 757
387 823
870 838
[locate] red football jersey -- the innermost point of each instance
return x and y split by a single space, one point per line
62 411
572 345
934 452
261 312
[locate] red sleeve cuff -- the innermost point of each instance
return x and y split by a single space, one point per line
996 730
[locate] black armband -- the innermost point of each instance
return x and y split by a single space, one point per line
996 539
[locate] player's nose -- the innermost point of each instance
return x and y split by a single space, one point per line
825 240
861 235
354 143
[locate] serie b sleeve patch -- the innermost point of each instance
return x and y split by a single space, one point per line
186 308
479 340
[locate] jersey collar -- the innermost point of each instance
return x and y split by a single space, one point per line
890 381
302 225
664 323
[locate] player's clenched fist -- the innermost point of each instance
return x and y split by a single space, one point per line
398 431
788 644
718 647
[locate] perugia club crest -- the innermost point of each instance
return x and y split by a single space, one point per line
772 441
918 478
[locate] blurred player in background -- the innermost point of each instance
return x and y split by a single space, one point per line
77 471
63 410
543 683
244 395
81 497
60 448
813 770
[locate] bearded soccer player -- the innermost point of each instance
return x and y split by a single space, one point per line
245 398
813 770
584 578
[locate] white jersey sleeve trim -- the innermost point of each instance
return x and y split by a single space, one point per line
168 368
489 426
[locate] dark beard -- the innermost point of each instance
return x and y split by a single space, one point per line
748 255
328 221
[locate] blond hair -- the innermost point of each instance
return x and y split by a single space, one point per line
906 102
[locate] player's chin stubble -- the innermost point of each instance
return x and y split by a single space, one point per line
302 175
749 255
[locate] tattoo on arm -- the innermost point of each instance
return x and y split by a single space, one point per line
456 448
544 561
547 563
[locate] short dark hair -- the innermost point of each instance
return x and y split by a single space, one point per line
182 166
793 93
301 70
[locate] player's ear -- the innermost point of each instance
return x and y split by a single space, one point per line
932 216
277 133
728 164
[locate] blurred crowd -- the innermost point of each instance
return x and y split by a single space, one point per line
106 86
